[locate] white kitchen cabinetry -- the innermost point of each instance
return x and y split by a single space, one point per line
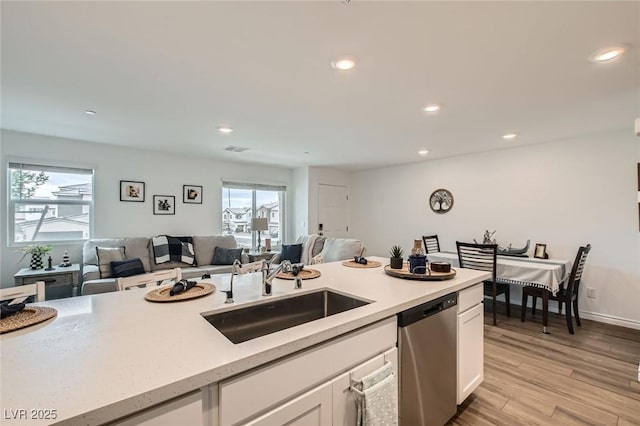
185 410
331 403
344 401
470 347
310 409
294 390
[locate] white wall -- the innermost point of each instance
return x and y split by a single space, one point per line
564 194
300 186
326 176
164 174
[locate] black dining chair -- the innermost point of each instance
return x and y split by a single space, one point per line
431 244
568 293
483 257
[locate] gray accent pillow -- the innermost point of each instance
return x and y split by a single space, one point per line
106 255
318 245
225 256
204 246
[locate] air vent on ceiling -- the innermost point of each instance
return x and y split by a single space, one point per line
235 148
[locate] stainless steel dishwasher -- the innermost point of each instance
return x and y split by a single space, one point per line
427 370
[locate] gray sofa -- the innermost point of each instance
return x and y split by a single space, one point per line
141 247
318 249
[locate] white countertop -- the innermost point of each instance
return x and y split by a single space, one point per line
109 355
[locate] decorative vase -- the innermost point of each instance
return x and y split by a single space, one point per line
396 262
36 261
418 264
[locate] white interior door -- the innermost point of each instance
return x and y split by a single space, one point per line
333 208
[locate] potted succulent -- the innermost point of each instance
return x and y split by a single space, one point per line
36 252
395 260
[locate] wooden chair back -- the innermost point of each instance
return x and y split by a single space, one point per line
478 256
431 243
149 279
573 283
36 289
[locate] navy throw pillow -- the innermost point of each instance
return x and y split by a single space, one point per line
226 256
292 253
127 268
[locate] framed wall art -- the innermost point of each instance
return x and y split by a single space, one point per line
441 201
164 204
131 190
191 194
541 251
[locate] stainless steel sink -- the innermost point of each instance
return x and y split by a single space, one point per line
242 324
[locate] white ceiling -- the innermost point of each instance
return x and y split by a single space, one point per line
164 75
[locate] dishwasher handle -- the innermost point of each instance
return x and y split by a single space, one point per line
426 310
432 310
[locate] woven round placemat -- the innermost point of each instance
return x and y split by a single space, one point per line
305 274
30 315
162 294
370 264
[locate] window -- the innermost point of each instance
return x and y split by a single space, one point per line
242 201
49 203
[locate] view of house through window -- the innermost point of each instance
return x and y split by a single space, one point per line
48 203
242 202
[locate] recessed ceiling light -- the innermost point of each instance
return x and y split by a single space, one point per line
509 136
607 54
432 108
225 130
89 112
344 63
423 152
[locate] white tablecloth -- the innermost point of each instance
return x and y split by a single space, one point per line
543 273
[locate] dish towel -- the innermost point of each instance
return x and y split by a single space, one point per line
377 398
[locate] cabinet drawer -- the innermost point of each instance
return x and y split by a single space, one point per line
470 297
59 279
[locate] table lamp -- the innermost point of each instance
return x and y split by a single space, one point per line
259 224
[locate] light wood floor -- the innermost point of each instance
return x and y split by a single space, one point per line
530 378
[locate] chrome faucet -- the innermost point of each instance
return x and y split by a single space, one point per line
267 277
263 266
235 270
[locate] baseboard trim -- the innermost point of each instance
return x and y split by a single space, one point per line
609 319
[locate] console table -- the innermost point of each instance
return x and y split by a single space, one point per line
57 277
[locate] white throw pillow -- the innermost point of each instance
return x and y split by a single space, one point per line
106 255
341 249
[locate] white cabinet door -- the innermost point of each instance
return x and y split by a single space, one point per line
313 408
344 401
470 354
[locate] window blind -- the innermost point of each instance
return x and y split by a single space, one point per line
256 186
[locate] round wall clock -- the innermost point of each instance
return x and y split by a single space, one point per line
441 201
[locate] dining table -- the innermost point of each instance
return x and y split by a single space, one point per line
547 274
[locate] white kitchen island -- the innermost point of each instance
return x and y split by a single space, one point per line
108 356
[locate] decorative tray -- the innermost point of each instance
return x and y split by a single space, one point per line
370 264
305 274
161 294
30 315
405 274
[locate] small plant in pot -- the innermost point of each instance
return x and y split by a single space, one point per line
36 252
395 260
